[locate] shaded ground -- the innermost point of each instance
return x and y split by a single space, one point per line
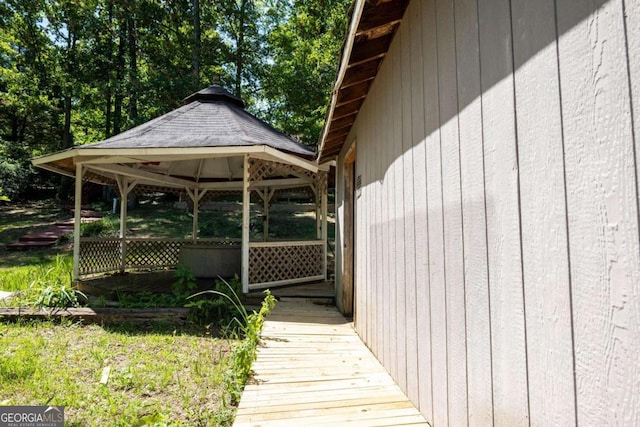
18 219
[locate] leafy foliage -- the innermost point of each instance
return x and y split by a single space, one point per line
249 330
74 72
219 305
104 227
60 295
305 48
185 281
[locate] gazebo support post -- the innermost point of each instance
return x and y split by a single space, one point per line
77 218
266 195
324 202
196 210
265 223
124 202
316 193
245 225
270 193
195 196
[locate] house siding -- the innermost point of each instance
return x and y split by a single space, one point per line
497 248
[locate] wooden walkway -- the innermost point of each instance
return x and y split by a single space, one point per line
314 370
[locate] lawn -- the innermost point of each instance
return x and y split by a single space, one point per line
160 375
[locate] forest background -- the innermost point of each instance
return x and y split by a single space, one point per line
78 71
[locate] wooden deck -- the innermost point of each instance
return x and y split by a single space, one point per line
161 282
301 290
314 370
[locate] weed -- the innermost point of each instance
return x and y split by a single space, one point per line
59 296
46 285
217 306
245 352
56 290
248 331
185 281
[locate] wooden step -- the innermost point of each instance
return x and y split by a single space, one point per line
53 233
31 244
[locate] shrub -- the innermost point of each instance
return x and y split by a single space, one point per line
15 176
104 227
217 306
185 281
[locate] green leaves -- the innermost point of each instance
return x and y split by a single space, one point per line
306 47
78 71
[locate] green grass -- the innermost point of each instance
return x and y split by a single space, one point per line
32 280
159 376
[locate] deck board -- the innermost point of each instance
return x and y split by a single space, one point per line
313 369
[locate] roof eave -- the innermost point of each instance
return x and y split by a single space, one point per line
88 155
375 22
344 63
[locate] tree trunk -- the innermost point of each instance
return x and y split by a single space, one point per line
195 77
107 112
133 69
240 48
120 64
14 129
66 130
109 93
64 191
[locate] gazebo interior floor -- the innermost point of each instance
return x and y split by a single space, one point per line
161 281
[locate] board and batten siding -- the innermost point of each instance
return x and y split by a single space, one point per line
497 244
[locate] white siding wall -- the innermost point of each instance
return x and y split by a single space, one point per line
497 239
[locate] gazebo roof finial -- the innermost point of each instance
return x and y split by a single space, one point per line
214 93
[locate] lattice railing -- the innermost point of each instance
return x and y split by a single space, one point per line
153 253
285 262
99 255
269 262
104 255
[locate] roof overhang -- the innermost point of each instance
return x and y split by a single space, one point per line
143 164
372 26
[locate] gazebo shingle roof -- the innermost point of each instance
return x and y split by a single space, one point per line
206 140
211 118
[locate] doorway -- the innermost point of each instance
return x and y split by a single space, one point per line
349 267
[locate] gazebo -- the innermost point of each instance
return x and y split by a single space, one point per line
209 146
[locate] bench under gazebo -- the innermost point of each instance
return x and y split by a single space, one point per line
209 147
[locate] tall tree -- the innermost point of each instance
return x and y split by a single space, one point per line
304 48
28 107
78 71
245 43
197 41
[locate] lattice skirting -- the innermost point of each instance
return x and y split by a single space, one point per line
104 255
284 262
